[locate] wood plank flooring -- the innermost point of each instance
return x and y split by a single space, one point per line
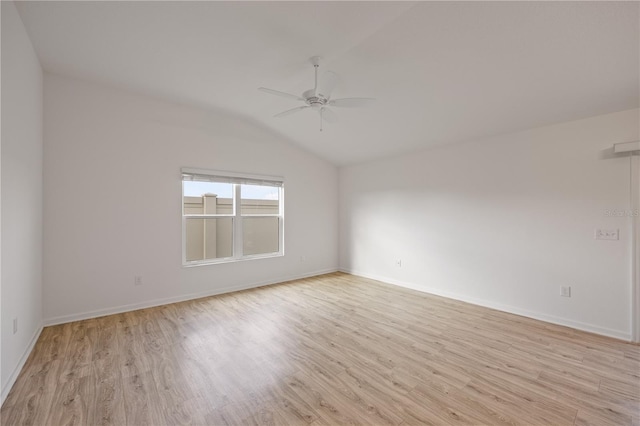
333 349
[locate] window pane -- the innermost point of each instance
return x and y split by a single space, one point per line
260 235
207 197
258 199
209 238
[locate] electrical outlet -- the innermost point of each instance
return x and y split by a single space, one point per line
15 325
607 234
399 263
565 291
137 280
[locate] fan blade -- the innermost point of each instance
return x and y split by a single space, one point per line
291 111
279 93
351 102
327 83
328 115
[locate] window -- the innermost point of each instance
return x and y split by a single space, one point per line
228 217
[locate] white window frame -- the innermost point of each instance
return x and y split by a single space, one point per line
236 179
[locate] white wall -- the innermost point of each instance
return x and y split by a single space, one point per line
21 229
502 222
122 153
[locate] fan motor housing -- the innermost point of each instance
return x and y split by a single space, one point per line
314 99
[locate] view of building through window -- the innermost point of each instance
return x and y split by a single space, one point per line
228 221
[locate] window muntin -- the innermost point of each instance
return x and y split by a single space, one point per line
229 217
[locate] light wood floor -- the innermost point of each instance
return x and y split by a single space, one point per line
334 349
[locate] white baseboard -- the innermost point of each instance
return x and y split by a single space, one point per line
165 301
626 336
16 371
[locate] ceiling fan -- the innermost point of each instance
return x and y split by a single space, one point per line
319 98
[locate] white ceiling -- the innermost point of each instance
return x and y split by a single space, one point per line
442 72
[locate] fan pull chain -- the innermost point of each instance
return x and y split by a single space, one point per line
321 109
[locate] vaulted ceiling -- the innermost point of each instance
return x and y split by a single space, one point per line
442 72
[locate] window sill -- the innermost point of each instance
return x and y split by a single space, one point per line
230 260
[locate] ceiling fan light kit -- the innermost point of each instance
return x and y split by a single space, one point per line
319 97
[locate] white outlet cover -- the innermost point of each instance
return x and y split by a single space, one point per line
607 234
